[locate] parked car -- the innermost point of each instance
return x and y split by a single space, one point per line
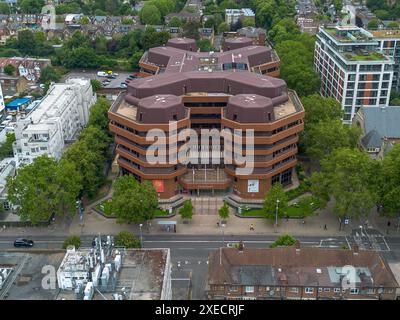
111 77
123 85
102 74
23 243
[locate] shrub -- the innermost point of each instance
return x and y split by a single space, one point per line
285 240
72 241
127 239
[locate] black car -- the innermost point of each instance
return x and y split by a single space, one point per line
23 243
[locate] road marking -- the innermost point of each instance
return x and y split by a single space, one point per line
219 241
180 279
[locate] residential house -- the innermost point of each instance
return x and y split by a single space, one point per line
306 273
13 85
234 15
30 68
380 129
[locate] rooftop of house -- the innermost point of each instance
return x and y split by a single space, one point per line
291 266
380 123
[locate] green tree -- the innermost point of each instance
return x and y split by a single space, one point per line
284 240
305 204
134 60
9 69
85 20
324 137
223 27
346 176
26 42
86 161
373 24
175 22
72 241
186 211
98 114
276 198
49 74
223 212
204 45
6 149
96 85
134 202
318 109
31 6
387 174
43 188
393 25
150 15
127 239
4 8
248 22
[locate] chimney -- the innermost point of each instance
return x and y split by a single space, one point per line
355 249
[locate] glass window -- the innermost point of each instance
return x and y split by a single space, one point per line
309 290
249 289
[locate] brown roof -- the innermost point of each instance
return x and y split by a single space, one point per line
308 266
177 60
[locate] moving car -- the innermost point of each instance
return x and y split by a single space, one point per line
23 243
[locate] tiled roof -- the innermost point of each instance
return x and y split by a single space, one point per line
380 122
307 266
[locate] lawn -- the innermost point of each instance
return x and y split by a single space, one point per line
106 209
292 212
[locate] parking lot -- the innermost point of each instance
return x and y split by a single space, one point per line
90 74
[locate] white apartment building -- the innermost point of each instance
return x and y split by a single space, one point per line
352 68
59 117
234 15
389 43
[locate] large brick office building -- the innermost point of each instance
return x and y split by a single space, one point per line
234 89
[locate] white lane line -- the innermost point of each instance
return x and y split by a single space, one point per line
219 241
386 244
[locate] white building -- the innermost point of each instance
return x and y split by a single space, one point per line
59 117
234 15
118 273
7 169
352 68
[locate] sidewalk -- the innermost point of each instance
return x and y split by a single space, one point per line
207 224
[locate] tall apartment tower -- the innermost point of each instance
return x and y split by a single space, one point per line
389 44
352 68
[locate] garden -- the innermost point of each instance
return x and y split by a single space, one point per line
105 208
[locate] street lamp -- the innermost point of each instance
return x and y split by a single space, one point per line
276 215
223 234
141 238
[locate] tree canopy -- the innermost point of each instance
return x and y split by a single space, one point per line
347 175
43 188
134 202
276 198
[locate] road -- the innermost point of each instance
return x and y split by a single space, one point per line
189 254
352 15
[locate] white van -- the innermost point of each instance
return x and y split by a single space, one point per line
102 74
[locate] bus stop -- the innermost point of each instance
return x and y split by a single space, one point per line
168 226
